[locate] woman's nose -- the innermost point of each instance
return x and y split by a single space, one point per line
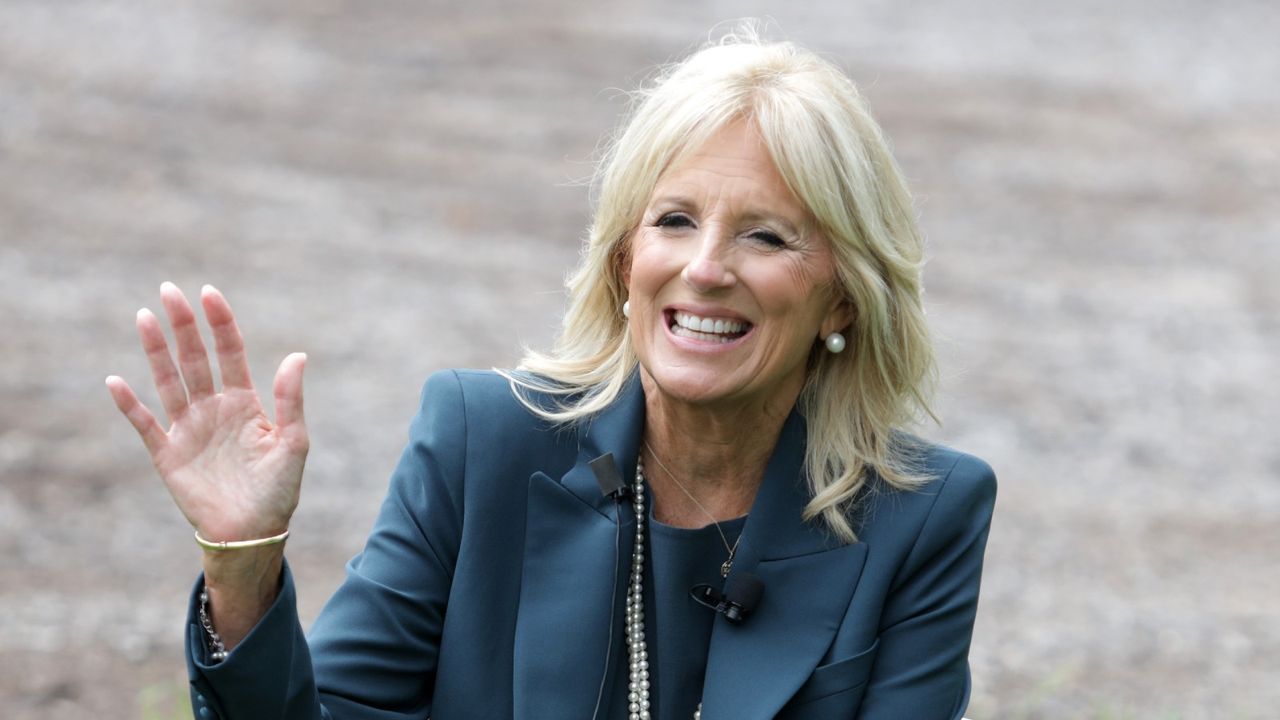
709 269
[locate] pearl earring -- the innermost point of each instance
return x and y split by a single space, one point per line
835 342
626 308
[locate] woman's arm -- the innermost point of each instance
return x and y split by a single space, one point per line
372 652
236 475
921 668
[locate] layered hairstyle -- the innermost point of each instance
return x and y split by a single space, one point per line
835 159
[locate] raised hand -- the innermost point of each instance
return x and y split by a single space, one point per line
233 472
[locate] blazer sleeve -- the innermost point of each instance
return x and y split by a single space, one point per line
372 651
922 666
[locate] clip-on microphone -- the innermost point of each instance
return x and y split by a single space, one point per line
607 477
740 598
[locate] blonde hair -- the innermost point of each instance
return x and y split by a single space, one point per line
836 161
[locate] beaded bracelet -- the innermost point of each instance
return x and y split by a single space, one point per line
218 650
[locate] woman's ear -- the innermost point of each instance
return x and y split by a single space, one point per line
622 261
838 318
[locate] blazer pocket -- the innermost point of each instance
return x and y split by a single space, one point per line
837 678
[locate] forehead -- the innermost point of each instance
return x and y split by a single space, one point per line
734 161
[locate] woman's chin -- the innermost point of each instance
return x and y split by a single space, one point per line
703 387
735 389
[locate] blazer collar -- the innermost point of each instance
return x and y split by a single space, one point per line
616 429
575 547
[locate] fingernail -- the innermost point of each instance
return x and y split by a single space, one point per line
166 285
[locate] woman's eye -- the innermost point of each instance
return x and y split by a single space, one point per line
674 220
769 238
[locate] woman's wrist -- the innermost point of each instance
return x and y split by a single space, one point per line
241 586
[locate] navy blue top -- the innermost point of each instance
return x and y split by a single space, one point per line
677 629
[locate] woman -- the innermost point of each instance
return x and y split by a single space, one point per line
720 415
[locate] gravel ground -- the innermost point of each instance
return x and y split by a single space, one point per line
396 188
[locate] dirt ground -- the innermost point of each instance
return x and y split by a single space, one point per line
394 188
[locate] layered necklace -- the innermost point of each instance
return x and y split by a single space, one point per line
638 703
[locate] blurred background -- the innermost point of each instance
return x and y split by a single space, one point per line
395 187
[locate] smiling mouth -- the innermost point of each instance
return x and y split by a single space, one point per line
706 329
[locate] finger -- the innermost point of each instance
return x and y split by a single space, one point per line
153 436
192 357
287 390
232 363
173 394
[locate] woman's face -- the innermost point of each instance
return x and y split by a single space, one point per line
729 285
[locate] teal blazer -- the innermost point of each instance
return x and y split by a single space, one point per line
484 589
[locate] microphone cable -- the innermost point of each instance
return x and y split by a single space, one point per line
613 601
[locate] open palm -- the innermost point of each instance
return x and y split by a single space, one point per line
233 473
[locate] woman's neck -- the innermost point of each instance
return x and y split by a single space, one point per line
705 463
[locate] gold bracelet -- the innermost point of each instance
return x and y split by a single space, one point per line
240 544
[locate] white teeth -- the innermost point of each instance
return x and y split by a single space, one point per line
704 337
710 327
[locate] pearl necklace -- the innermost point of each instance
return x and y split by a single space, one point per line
637 649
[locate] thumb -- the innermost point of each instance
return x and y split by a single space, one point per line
287 390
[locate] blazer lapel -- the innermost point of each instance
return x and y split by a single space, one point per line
575 561
753 669
575 564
